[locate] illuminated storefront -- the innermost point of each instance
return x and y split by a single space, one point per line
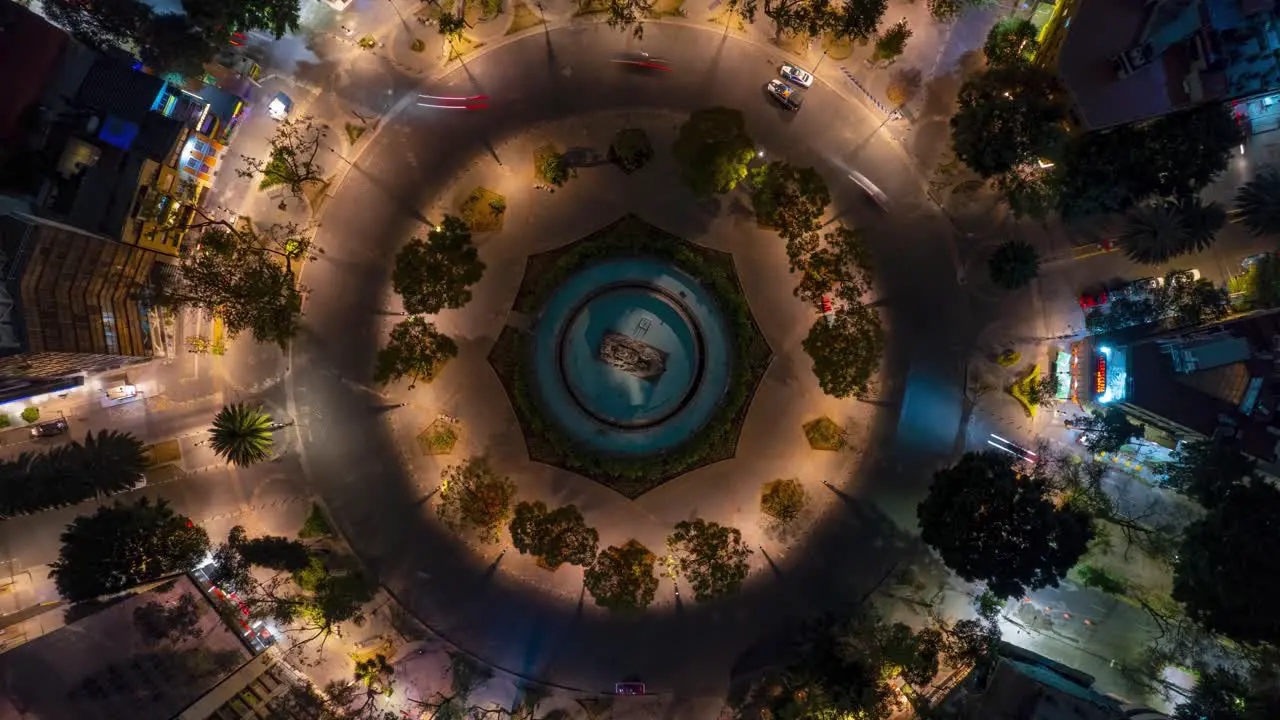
1110 376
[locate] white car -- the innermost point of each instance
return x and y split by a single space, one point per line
875 192
796 75
1178 277
279 107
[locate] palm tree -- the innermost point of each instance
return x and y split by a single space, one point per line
1258 203
111 461
1201 222
1014 264
1154 234
241 434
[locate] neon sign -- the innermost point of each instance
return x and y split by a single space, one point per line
1100 376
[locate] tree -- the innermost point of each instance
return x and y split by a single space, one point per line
170 44
628 15
559 536
111 460
1261 282
622 577
375 674
1008 117
30 414
1193 301
472 495
1155 234
851 19
904 85
102 25
1010 42
1014 264
1226 570
789 198
291 161
892 42
416 350
802 17
120 546
713 150
245 276
744 10
630 149
711 556
158 622
1106 431
846 350
1257 203
1221 694
166 42
221 16
991 524
949 10
275 552
241 434
437 273
841 266
974 642
451 25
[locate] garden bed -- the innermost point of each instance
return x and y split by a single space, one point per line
716 440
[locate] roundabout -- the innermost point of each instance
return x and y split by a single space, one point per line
640 350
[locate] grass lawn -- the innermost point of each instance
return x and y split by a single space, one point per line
438 439
667 8
824 434
523 18
716 440
162 453
483 210
462 46
839 49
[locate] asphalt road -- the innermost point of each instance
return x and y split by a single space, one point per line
541 79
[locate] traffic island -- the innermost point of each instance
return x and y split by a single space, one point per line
439 438
642 362
824 434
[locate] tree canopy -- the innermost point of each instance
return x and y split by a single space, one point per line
1227 568
245 276
557 536
292 156
415 350
1014 264
474 496
713 150
1008 117
437 273
120 546
1156 233
993 525
1011 41
106 463
846 350
1257 203
1107 431
839 266
166 42
622 577
241 434
789 198
710 556
223 16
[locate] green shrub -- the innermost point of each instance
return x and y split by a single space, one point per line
549 166
824 434
4 420
30 415
316 525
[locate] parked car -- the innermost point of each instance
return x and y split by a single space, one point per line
280 106
1178 277
796 75
1252 260
1094 299
629 688
786 95
49 429
1141 288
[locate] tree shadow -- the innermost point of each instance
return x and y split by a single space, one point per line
777 571
583 157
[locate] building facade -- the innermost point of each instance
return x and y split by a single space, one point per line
71 302
1124 61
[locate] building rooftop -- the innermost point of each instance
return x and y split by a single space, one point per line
30 51
1213 379
1130 60
100 667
